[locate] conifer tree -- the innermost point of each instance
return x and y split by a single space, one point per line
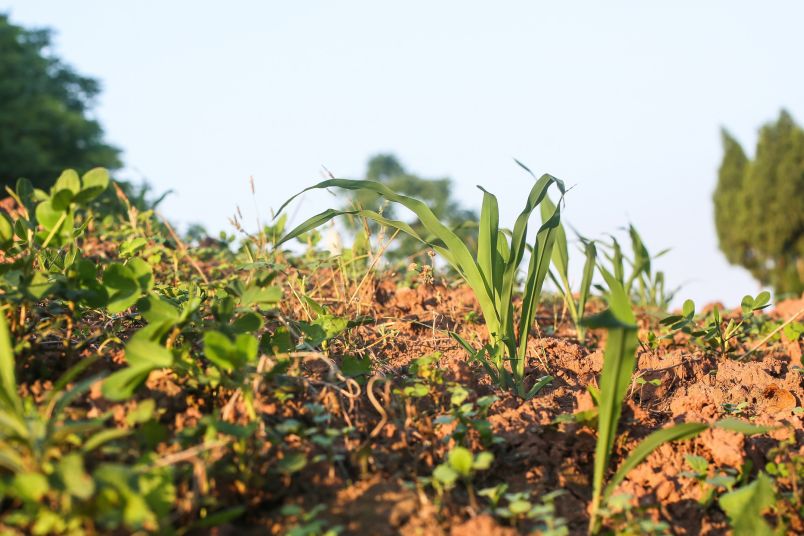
759 205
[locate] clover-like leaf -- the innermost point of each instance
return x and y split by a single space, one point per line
260 296
445 474
69 181
29 486
74 478
123 287
93 183
228 354
460 460
745 507
483 461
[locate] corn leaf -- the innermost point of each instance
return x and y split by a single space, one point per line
648 445
618 365
487 244
517 250
588 274
561 249
454 250
537 271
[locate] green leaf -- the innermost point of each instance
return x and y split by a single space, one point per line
9 398
745 507
519 507
143 352
537 271
648 445
561 249
586 281
157 310
762 300
122 384
332 325
247 323
142 272
742 427
11 460
445 474
68 180
483 461
48 216
260 296
460 460
104 436
353 367
29 486
292 462
94 183
122 286
60 201
76 481
130 247
227 354
143 356
487 253
688 309
6 229
619 360
221 517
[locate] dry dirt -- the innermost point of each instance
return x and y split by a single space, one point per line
536 453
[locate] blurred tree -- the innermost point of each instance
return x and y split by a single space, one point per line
437 193
759 205
45 111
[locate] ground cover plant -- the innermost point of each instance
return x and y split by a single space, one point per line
158 383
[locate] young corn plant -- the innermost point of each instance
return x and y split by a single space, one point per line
561 264
645 287
619 361
491 273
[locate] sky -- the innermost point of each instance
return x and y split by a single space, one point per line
623 100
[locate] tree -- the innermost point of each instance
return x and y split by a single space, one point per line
437 193
759 205
45 111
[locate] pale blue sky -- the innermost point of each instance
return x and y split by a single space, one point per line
623 99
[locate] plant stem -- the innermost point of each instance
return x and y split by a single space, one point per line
54 230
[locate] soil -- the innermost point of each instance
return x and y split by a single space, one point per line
537 454
376 487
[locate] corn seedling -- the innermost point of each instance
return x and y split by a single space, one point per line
491 273
561 263
644 287
619 361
